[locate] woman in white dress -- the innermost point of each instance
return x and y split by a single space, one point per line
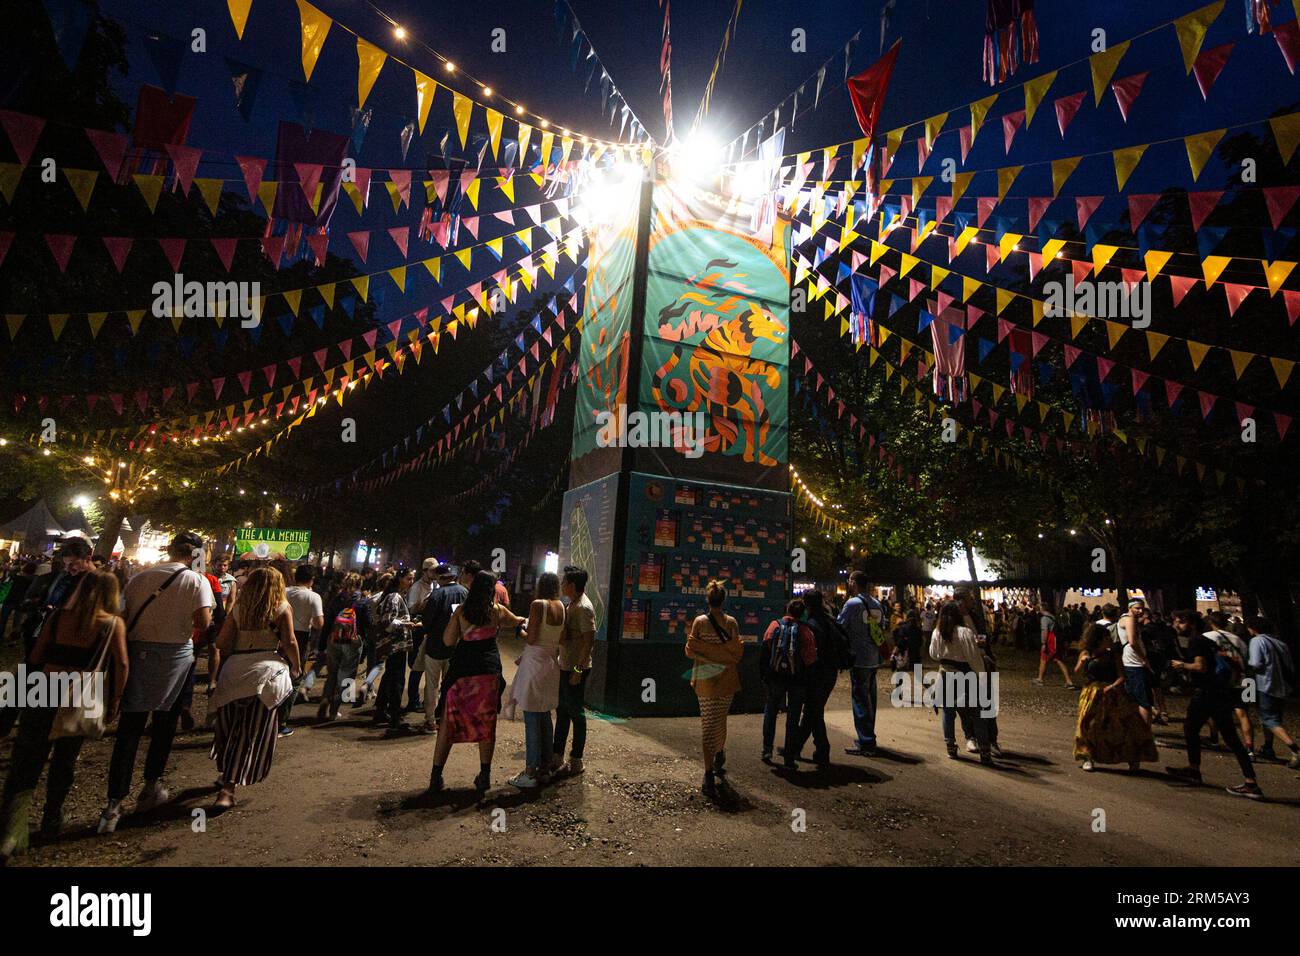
536 687
959 655
259 662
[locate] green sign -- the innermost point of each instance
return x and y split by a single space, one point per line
272 543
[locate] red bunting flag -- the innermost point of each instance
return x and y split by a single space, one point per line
1139 207
252 167
273 246
1209 65
185 160
1288 41
1038 205
867 91
1011 123
23 130
1066 107
1236 294
111 148
1202 204
1180 285
173 249
1280 200
400 236
1126 92
1172 390
61 247
1139 379
361 241
6 240
225 249
1085 206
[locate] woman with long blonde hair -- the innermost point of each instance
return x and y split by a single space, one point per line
259 662
714 645
72 639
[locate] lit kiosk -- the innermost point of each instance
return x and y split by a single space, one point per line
679 460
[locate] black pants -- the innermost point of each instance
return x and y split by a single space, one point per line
813 721
286 709
1203 707
792 694
130 728
389 702
571 710
413 679
31 750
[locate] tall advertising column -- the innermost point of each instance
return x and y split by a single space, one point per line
680 438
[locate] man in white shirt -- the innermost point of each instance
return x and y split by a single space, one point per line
164 606
1138 674
426 582
308 619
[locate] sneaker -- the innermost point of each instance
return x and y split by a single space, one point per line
523 781
1294 762
995 750
153 795
986 759
1249 790
108 820
1071 686
1038 681
573 767
1086 765
427 728
972 747
767 756
952 751
709 787
52 824
1184 773
1134 766
286 731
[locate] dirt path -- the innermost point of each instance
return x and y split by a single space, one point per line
343 794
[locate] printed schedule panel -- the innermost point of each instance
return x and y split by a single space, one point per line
682 534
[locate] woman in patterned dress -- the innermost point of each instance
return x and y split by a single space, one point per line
714 645
471 691
1110 729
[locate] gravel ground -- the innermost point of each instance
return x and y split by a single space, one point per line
344 794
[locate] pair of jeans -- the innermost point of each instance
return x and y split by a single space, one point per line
813 722
571 710
343 660
32 749
539 738
389 702
862 682
413 679
792 694
972 725
1205 706
130 728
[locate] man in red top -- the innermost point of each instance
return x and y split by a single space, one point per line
789 647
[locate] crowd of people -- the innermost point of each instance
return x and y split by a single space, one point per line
426 644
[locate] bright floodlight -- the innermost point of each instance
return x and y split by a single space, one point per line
697 158
609 195
80 501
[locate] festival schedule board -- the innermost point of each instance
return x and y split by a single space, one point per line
681 534
587 523
272 544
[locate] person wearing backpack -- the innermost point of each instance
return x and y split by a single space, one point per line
789 649
832 657
1236 650
345 634
1274 669
863 618
714 645
1211 700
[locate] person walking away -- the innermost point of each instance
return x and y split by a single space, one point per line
789 650
536 687
954 646
1211 679
1052 650
713 644
347 634
164 604
575 662
833 655
438 609
471 694
202 639
425 584
1271 663
972 616
308 618
1109 728
393 618
1238 652
259 662
72 640
862 617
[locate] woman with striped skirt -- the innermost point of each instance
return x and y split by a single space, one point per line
714 645
259 662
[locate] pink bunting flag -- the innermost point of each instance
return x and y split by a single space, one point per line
369 337
225 249
964 136
1037 340
943 300
942 208
1172 390
922 152
1244 411
185 161
295 364
319 245
886 274
916 288
1104 366
400 236
361 241
191 389
1139 379
309 178
973 315
245 380
217 385
1066 107
1280 199
984 208
142 398
118 248
61 247
1202 204
1085 206
1011 124
269 371
1005 328
1288 41
1126 92
111 148
440 177
1209 65
991 256
362 182
1180 285
1207 403
7 240
1035 264
319 355
173 248
273 246
471 225
1292 300
1080 268
1283 422
1038 205
346 348
1132 277
1236 294
252 167
402 180
24 130
1071 355
1139 207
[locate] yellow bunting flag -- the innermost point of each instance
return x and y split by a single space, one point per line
960 183
1282 369
370 60
239 15
893 140
327 294
978 110
907 264
462 107
932 127
967 234
507 187
1200 148
398 274
1009 242
57 322
210 190
1240 361
1006 176
426 88
878 249
937 275
134 318
315 27
434 266
1197 351
1062 169
1212 267
919 185
969 287
1103 68
1286 130
1191 31
1156 260
1114 332
82 182
463 256
362 285
1276 273
1050 248
525 133
10 173
1035 90
1101 255
1078 322
1126 161
494 121
150 187
471 192
266 193
96 321
1005 298
496 245
1038 307
294 298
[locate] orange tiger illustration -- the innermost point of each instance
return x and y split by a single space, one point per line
720 377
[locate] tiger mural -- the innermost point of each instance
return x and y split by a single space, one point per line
720 376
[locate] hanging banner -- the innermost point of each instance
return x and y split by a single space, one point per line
272 544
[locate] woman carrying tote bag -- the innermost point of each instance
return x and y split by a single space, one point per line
86 638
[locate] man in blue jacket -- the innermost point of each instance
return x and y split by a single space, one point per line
863 618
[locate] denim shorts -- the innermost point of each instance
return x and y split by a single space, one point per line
1270 710
1135 682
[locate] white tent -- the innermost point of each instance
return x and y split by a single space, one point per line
33 526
